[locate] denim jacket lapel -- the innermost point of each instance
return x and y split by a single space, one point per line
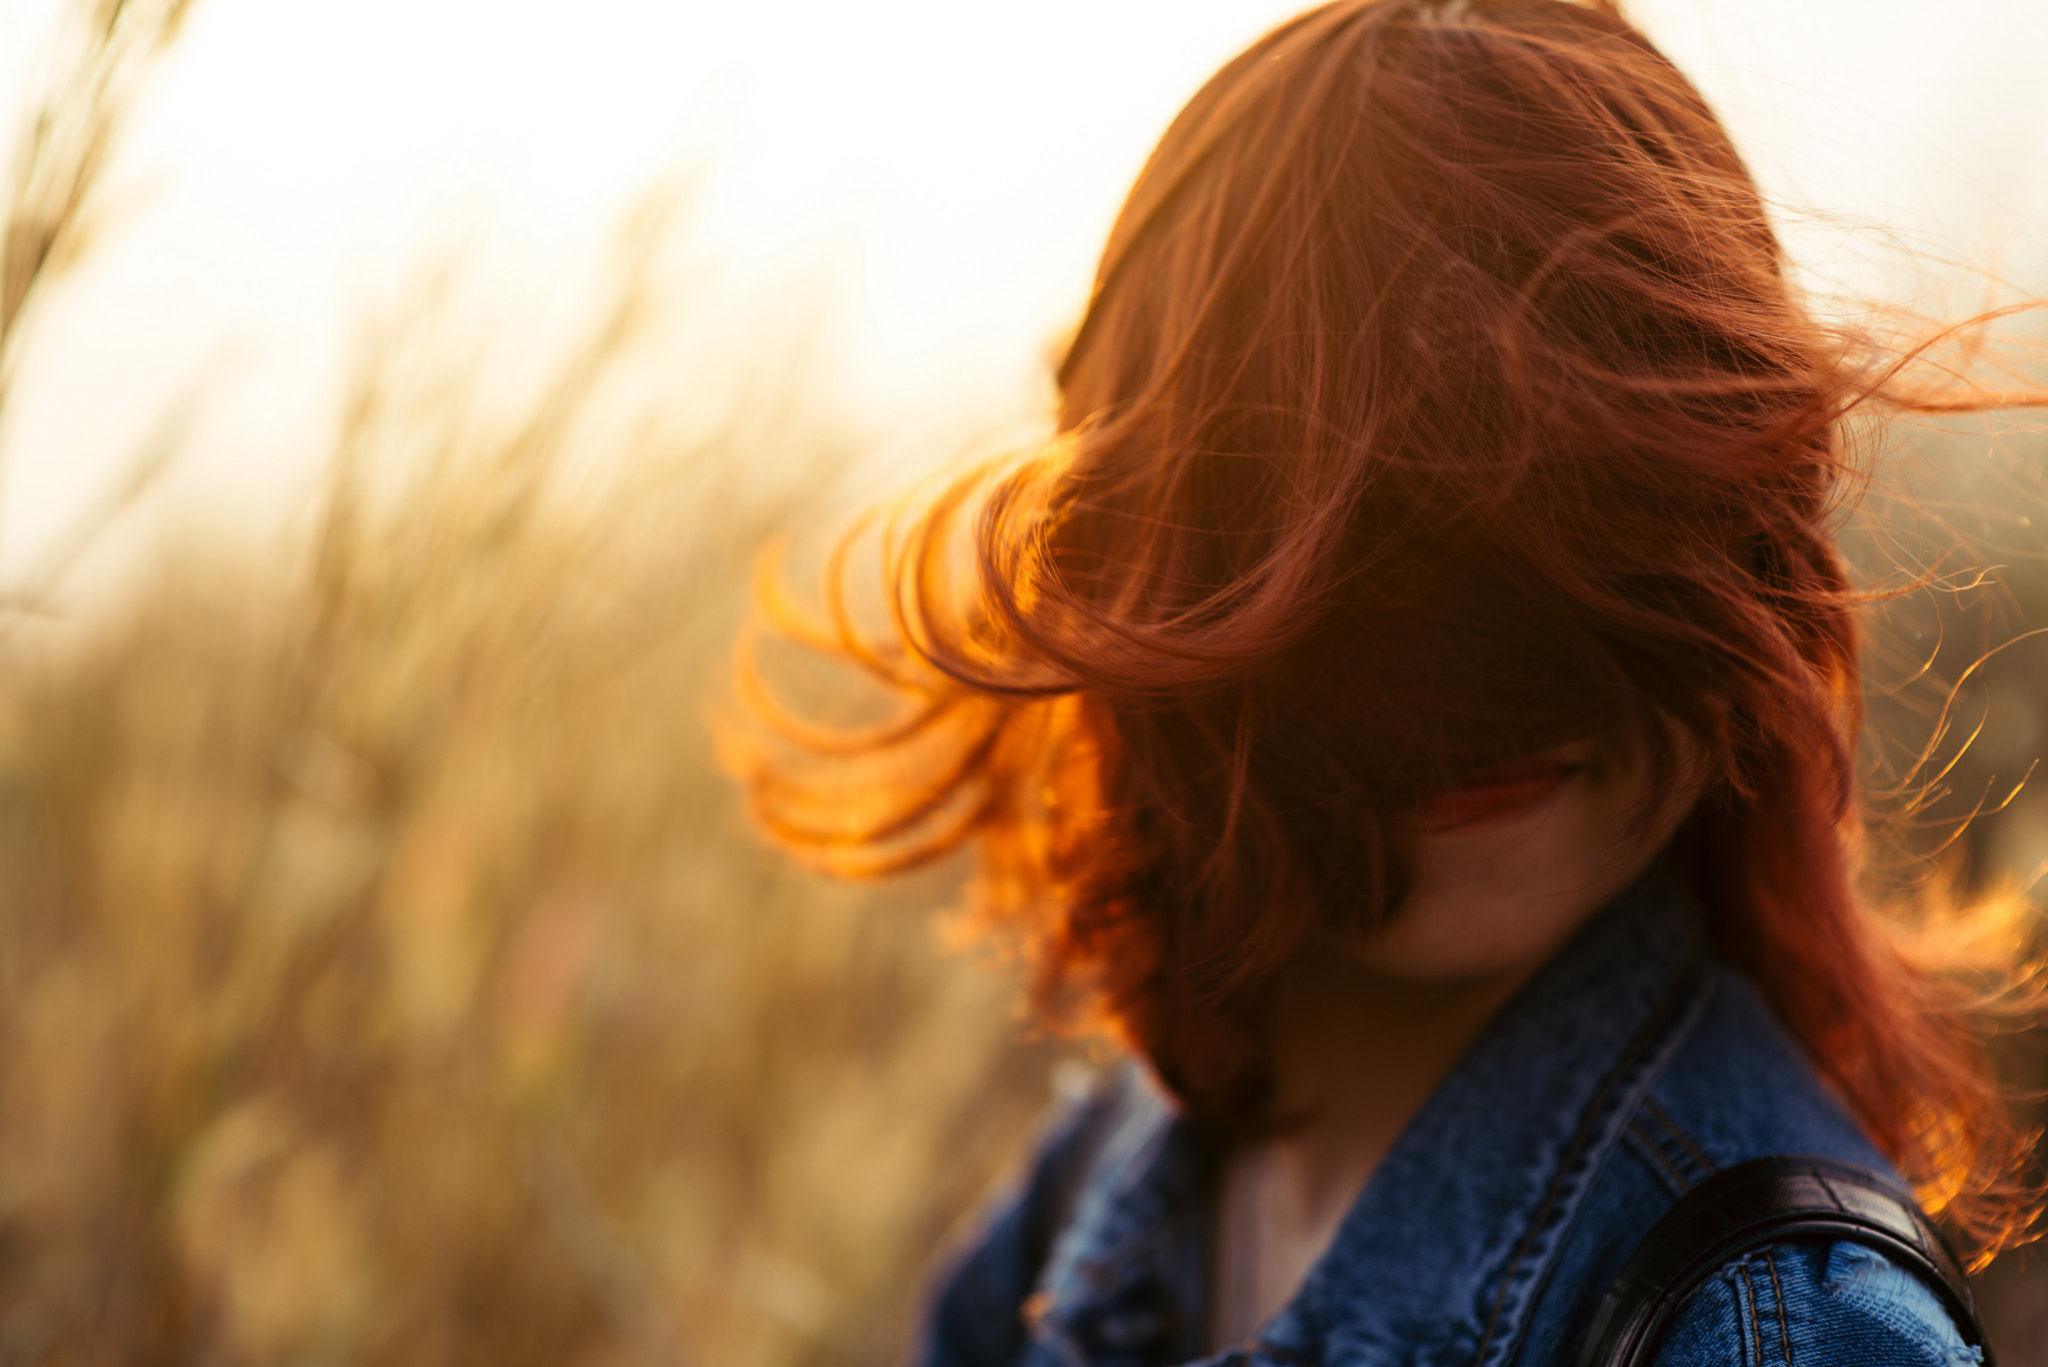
1124 1281
1448 1247
1444 1253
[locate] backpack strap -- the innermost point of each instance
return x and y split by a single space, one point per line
1745 1209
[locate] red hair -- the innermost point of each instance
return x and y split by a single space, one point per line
1442 398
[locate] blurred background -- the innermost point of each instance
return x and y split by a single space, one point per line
393 399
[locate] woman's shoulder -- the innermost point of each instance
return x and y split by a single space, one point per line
1740 1088
1834 1304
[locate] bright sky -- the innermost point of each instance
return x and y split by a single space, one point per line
941 172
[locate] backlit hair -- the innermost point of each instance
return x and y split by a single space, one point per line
1442 399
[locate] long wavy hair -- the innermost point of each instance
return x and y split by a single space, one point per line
1442 398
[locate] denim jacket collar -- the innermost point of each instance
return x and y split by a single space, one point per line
1448 1246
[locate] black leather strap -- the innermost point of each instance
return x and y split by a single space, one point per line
1746 1208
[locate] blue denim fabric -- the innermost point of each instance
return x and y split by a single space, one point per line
1629 1069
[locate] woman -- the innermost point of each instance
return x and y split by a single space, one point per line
1413 705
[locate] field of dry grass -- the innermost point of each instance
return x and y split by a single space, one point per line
388 976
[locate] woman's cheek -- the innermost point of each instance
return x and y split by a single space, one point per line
1501 897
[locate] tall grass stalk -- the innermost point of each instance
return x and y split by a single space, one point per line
51 215
386 975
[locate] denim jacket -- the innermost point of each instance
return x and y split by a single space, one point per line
1631 1067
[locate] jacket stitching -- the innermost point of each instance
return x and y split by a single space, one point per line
1704 1167
1645 1144
1660 1019
1756 1325
1692 1165
1778 1295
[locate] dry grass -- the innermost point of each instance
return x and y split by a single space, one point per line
387 976
385 973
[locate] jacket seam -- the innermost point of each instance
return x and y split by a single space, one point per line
1704 1167
1756 1324
1667 1011
1778 1297
1647 1146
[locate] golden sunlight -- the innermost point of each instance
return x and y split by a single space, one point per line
391 422
936 176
